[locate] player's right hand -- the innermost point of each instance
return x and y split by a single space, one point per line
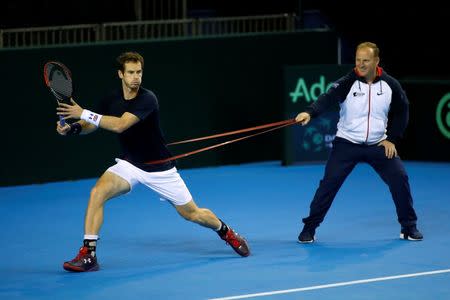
62 129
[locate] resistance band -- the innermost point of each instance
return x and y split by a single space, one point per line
272 126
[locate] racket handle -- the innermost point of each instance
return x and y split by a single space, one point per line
62 122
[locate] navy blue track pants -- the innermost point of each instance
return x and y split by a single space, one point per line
343 158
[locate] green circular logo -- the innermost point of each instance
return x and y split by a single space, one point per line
443 115
313 140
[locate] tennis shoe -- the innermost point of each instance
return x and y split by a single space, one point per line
306 235
238 243
83 262
411 233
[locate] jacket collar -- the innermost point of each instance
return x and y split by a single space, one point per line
377 77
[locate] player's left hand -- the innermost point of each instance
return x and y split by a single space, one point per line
69 111
389 149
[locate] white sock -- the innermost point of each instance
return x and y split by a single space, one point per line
91 237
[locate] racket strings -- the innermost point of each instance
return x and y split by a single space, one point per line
59 81
61 86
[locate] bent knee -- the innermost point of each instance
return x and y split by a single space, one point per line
96 192
397 178
99 194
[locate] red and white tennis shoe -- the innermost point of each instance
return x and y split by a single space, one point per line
238 243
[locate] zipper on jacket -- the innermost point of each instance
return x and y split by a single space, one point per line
368 114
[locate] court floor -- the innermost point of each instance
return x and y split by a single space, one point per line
147 251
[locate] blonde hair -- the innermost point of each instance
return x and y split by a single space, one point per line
373 46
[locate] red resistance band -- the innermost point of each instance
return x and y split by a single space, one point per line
271 126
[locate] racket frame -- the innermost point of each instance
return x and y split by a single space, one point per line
59 98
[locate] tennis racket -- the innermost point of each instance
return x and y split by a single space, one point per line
59 80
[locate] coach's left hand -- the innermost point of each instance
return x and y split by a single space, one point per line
389 149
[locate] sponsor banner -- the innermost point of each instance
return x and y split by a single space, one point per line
302 86
427 137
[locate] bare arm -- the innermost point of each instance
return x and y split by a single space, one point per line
111 123
86 128
118 124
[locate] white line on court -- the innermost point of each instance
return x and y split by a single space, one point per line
326 286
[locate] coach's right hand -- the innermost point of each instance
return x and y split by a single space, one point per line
303 118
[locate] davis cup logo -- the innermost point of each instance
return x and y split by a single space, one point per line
312 139
318 137
443 115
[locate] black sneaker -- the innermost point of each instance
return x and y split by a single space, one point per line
83 262
411 233
307 235
238 243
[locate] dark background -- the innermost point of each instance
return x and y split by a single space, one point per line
213 84
204 86
411 34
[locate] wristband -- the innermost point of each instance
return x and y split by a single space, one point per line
91 117
75 128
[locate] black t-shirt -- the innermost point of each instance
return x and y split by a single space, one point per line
144 141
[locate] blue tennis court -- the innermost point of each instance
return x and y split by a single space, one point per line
147 251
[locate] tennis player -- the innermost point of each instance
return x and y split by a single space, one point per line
133 113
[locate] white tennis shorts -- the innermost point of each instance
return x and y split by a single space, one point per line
168 184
